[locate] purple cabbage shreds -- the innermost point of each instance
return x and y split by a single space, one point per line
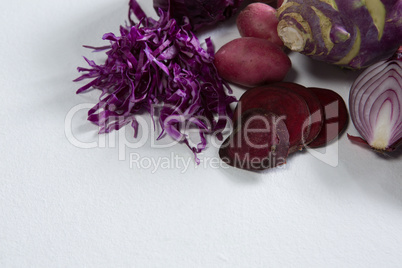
161 68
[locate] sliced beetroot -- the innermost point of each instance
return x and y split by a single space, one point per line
336 116
260 140
316 119
282 102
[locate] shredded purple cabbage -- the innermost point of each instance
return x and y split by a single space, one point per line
158 63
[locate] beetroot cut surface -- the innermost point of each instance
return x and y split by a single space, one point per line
260 140
336 116
283 102
316 119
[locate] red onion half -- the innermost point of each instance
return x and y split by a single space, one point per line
375 104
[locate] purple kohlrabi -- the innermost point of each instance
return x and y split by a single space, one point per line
350 33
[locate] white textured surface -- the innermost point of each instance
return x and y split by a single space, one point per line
65 206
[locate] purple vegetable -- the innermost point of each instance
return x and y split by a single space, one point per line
260 140
200 12
349 33
158 63
375 104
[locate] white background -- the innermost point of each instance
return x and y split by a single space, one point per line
65 206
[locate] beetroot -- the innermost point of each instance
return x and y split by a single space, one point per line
316 110
283 117
336 116
259 141
282 102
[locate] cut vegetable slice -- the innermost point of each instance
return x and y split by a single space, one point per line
259 141
336 116
316 119
282 102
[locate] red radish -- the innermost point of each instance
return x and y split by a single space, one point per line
260 141
336 116
259 20
316 110
282 102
